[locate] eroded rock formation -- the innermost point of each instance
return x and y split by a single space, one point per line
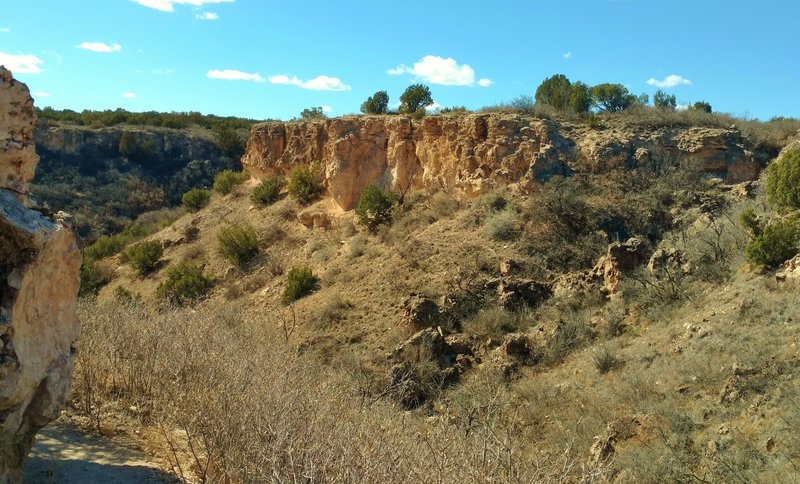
476 152
39 263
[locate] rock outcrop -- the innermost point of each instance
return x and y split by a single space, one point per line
475 152
39 263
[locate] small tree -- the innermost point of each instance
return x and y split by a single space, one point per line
415 98
701 106
238 243
580 98
304 185
375 207
195 199
229 142
378 103
554 91
664 101
300 282
313 113
612 98
143 257
783 180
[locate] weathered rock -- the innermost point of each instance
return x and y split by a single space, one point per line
18 157
474 153
602 450
791 269
620 259
39 262
314 218
669 260
420 312
516 346
515 293
425 346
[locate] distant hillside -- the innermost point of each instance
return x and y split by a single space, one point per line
106 168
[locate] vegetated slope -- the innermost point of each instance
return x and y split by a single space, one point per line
597 326
106 176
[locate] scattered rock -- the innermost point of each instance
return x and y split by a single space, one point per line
514 293
314 217
420 312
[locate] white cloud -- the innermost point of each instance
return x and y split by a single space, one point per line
5 30
438 70
41 94
670 81
319 83
433 107
681 107
21 63
326 109
100 47
169 5
207 16
234 75
568 55
129 95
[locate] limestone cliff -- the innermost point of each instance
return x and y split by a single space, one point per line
475 152
39 262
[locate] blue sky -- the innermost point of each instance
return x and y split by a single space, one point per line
268 59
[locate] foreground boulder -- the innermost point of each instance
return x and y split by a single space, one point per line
39 263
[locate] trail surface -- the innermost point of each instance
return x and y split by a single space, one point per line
65 454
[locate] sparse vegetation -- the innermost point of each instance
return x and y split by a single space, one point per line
310 114
196 199
300 282
268 191
227 179
238 243
304 184
144 256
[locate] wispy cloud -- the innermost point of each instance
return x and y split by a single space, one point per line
207 16
101 47
41 94
5 30
319 83
326 108
169 5
234 75
129 95
672 80
568 55
21 63
442 71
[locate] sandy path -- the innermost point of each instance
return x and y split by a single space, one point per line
64 454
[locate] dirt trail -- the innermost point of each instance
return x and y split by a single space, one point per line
65 454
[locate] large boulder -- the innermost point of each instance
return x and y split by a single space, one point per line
39 263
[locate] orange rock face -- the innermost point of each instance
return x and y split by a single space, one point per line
472 153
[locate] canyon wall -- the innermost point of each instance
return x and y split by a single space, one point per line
39 263
473 153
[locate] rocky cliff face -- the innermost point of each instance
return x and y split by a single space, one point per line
476 152
39 262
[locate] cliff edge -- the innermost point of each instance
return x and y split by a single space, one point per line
475 152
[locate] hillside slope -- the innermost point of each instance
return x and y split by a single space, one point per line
600 326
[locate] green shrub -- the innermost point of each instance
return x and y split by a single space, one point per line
268 191
304 185
375 207
227 179
105 246
238 243
143 257
749 220
184 282
195 199
777 243
94 275
300 282
503 226
783 180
